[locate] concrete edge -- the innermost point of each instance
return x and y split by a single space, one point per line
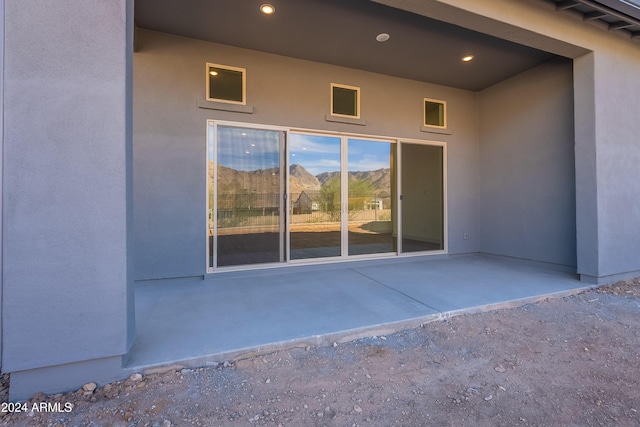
71 376
64 378
534 263
610 279
345 336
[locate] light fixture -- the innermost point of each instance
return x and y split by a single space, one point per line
267 9
383 37
213 73
467 58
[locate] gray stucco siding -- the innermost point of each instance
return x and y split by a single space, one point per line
170 136
65 191
617 128
527 173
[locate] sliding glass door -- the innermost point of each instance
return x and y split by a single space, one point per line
341 205
246 195
315 200
371 190
277 196
422 198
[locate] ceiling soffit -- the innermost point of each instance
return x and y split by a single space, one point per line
343 32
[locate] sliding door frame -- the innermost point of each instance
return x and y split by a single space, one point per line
445 215
212 144
212 211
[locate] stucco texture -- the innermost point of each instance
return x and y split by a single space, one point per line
64 219
170 136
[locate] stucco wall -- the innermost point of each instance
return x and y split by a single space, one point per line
527 177
617 127
606 70
170 136
65 271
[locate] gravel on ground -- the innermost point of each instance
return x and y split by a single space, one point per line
572 361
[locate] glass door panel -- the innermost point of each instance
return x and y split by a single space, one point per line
314 196
249 188
371 193
422 198
341 199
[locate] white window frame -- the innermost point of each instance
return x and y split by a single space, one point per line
230 68
354 88
444 113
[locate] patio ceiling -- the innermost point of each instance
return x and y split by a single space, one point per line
343 32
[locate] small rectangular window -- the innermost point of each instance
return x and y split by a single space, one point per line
435 113
345 101
226 84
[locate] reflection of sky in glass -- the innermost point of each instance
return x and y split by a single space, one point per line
368 155
315 153
252 149
248 149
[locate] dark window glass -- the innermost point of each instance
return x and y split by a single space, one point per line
345 101
434 114
225 84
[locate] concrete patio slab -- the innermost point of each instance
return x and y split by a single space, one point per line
470 281
195 322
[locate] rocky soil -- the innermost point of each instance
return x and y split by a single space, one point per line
573 361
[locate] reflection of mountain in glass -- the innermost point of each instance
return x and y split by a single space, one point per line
379 179
263 181
266 181
301 180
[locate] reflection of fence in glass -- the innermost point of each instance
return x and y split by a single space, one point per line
314 207
248 209
370 208
255 210
319 206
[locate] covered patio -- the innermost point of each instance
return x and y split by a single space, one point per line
195 322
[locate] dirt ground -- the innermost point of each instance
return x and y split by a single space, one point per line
573 361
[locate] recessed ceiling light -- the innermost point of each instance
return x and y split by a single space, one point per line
213 73
383 37
467 58
267 9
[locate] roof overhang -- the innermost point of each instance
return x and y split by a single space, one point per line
621 16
